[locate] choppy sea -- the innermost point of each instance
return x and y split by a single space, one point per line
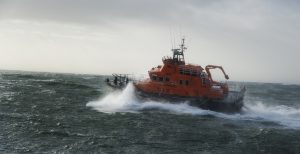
68 113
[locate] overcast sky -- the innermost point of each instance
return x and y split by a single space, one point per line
255 40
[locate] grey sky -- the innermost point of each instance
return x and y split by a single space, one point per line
255 40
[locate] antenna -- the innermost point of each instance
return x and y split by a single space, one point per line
182 46
178 55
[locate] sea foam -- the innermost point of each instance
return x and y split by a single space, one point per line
125 101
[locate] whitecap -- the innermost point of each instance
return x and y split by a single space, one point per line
125 101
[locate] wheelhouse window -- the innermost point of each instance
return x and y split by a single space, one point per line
186 82
180 82
167 79
160 79
187 72
194 73
180 70
154 78
190 71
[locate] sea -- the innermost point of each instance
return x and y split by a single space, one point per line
73 113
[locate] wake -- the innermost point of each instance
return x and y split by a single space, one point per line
281 114
125 101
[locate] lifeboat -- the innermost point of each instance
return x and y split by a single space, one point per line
175 81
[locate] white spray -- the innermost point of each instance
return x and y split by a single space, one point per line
125 101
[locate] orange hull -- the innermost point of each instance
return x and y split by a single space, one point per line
176 80
233 102
175 77
167 80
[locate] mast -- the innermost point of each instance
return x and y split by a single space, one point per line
178 54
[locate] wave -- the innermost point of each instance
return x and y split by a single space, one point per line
281 114
125 101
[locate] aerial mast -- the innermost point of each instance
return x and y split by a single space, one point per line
178 54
